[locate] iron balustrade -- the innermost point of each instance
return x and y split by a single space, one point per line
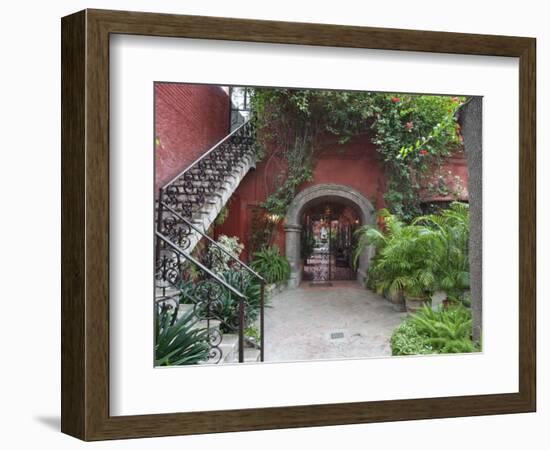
188 192
179 202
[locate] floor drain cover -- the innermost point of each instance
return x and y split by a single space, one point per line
336 335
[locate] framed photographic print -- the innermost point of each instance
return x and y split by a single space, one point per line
271 225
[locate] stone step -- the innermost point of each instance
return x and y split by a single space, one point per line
229 346
208 210
251 355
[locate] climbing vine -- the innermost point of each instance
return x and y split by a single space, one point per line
412 134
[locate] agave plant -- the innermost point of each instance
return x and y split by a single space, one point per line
227 308
271 265
179 341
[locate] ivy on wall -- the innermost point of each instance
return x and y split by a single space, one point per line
412 133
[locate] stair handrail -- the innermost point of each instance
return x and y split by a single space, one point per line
240 295
200 265
204 155
216 244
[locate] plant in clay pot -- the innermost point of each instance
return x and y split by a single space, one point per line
416 297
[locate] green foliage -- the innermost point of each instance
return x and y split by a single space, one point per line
450 234
227 309
222 216
253 333
412 133
406 340
219 260
179 341
429 254
402 253
442 331
271 265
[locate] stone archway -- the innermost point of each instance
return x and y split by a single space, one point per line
310 196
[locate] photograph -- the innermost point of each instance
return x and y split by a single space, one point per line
299 224
270 225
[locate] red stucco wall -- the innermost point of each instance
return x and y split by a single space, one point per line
453 174
355 164
189 119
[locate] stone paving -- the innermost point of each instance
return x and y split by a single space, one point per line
342 321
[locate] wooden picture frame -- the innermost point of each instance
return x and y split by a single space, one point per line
85 224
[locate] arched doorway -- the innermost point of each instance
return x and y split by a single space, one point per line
309 200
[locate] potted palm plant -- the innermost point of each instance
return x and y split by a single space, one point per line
449 250
382 275
416 295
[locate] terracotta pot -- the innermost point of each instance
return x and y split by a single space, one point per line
415 304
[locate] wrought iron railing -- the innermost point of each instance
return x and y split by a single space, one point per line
188 192
190 274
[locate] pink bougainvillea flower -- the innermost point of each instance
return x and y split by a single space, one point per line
423 152
409 125
395 99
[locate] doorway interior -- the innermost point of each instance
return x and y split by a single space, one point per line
327 243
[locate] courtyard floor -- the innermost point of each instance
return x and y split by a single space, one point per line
342 321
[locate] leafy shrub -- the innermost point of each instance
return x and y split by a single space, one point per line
271 265
428 254
449 233
219 261
228 308
178 341
442 331
446 330
402 259
407 341
253 333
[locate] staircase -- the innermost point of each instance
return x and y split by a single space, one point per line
201 191
185 274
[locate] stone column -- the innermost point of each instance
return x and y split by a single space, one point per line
470 119
292 251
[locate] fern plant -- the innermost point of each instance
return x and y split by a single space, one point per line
446 330
179 341
271 265
442 331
